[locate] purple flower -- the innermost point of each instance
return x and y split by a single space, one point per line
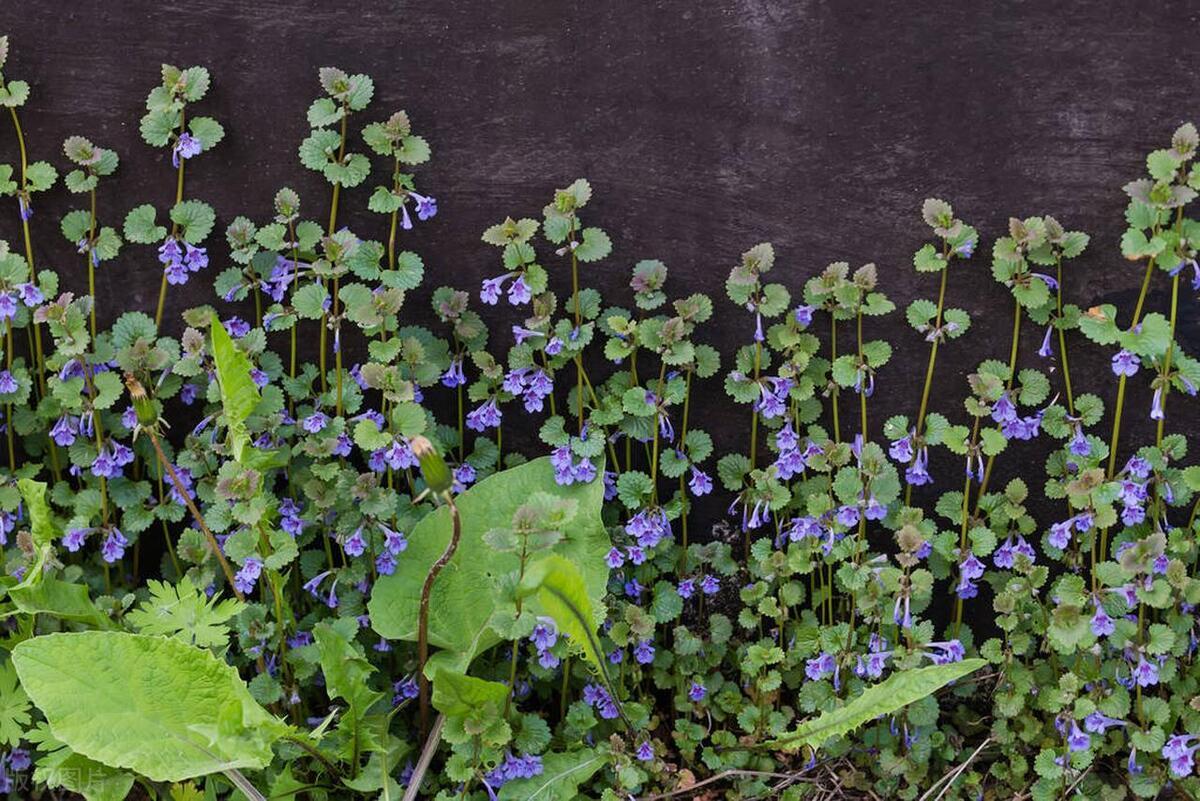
1178 752
113 548
902 449
385 563
615 558
1102 624
710 585
917 474
8 306
686 588
486 415
803 315
74 538
8 383
1005 555
491 288
545 634
237 327
1156 405
245 579
700 482
518 292
820 666
30 294
186 146
355 544
1060 534
426 206
1077 739
454 375
1145 673
315 422
643 652
1098 722
19 759
645 752
649 527
943 653
697 692
1125 363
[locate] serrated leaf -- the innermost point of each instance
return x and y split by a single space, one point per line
890 695
140 226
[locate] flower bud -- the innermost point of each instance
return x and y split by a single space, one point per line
433 466
142 405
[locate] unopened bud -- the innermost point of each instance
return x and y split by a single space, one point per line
433 467
143 407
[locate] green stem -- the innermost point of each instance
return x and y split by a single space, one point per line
933 349
1166 387
754 408
162 288
683 431
1062 340
1119 409
33 278
1012 375
8 421
658 399
837 426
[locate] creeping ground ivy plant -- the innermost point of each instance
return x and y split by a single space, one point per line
231 572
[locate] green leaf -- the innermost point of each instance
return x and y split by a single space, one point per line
185 612
346 669
564 597
595 245
152 705
40 176
41 521
309 301
195 219
207 130
890 695
14 707
61 599
561 775
458 695
239 395
59 766
140 228
465 593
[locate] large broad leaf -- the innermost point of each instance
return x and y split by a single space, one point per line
890 695
152 705
560 777
563 595
60 767
463 597
61 599
239 395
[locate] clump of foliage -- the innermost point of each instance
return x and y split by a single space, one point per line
231 573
